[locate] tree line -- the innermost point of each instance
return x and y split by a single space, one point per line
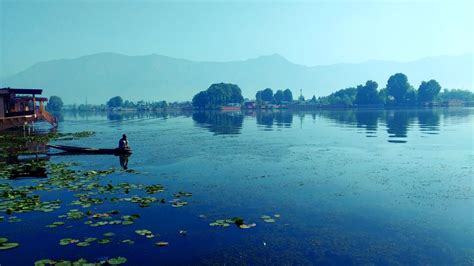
280 96
397 92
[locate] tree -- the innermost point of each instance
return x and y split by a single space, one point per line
218 94
55 103
367 94
397 87
278 97
345 97
201 99
258 96
267 95
428 91
287 95
114 102
457 95
313 100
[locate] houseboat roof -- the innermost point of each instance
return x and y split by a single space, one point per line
20 91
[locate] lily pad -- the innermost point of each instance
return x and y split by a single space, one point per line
117 261
162 244
109 234
104 241
83 244
8 245
128 241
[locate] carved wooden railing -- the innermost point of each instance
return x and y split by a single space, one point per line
42 114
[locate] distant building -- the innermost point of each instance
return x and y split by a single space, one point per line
250 105
21 106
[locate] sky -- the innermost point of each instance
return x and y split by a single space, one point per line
308 33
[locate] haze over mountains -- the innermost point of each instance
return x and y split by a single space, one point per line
155 77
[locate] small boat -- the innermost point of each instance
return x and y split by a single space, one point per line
83 150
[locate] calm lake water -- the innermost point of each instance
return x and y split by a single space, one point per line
349 187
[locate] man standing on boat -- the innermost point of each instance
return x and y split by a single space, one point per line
123 143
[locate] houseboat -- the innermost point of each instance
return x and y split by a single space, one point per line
20 107
231 107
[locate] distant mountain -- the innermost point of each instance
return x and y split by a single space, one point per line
155 77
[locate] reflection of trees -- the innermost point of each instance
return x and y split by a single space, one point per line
119 116
343 117
368 119
220 123
428 120
398 123
58 115
278 118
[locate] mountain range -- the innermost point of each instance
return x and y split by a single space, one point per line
98 77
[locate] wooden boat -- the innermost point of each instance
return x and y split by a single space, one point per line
83 150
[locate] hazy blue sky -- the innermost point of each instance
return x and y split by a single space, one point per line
310 33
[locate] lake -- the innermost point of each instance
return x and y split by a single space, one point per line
339 187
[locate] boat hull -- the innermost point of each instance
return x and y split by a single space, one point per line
82 150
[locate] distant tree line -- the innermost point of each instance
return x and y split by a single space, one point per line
280 96
118 102
218 94
397 92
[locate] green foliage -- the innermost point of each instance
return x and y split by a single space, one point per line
428 91
368 93
456 95
344 97
397 87
267 95
115 102
217 95
287 95
278 97
258 96
55 103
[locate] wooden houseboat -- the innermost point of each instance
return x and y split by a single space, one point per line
20 107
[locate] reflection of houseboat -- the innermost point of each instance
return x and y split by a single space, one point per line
21 106
231 107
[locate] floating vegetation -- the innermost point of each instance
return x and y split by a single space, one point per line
145 233
83 244
162 244
79 262
4 244
129 219
17 200
109 234
270 219
104 241
117 261
236 220
68 241
75 214
128 241
177 203
183 194
152 189
55 224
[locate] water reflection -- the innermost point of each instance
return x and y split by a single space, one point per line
279 118
123 160
396 123
220 123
